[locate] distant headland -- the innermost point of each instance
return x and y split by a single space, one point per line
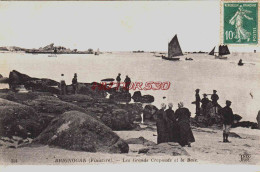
49 49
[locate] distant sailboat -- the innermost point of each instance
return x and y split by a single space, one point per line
222 50
174 49
97 52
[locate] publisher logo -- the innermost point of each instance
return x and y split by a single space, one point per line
244 157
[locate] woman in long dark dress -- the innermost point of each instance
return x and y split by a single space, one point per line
183 116
162 133
172 125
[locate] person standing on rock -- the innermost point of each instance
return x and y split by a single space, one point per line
197 101
214 98
118 80
75 83
172 125
127 83
204 103
162 134
62 85
258 119
183 116
228 117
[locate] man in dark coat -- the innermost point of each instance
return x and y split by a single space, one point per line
172 125
228 117
197 101
204 103
75 83
127 83
214 98
183 116
161 124
118 80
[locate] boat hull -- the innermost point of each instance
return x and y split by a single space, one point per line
220 57
171 59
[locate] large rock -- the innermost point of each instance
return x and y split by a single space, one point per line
119 119
170 148
94 89
141 141
4 80
18 120
80 132
50 104
46 85
149 112
120 97
137 97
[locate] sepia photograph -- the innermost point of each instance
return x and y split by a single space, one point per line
126 82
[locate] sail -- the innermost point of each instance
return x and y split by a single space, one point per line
223 50
174 48
212 52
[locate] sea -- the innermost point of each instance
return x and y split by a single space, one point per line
239 84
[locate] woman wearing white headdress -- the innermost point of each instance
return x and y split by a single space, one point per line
172 125
162 135
183 117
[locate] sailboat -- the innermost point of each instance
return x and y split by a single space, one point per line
222 50
97 52
174 49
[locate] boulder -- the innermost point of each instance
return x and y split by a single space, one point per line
18 120
149 112
121 97
4 80
45 85
137 97
147 99
94 90
170 148
141 141
118 119
80 132
1 76
50 104
246 124
135 109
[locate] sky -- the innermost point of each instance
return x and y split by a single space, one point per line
111 26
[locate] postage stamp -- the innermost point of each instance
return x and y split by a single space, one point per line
240 22
104 83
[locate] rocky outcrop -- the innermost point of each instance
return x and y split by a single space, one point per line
18 120
141 141
120 97
95 90
118 119
149 112
246 124
170 148
45 85
80 132
50 104
137 97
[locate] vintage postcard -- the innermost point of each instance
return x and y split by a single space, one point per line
124 82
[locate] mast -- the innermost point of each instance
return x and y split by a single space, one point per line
174 48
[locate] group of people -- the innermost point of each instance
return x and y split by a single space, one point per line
204 102
127 82
226 113
63 86
174 126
